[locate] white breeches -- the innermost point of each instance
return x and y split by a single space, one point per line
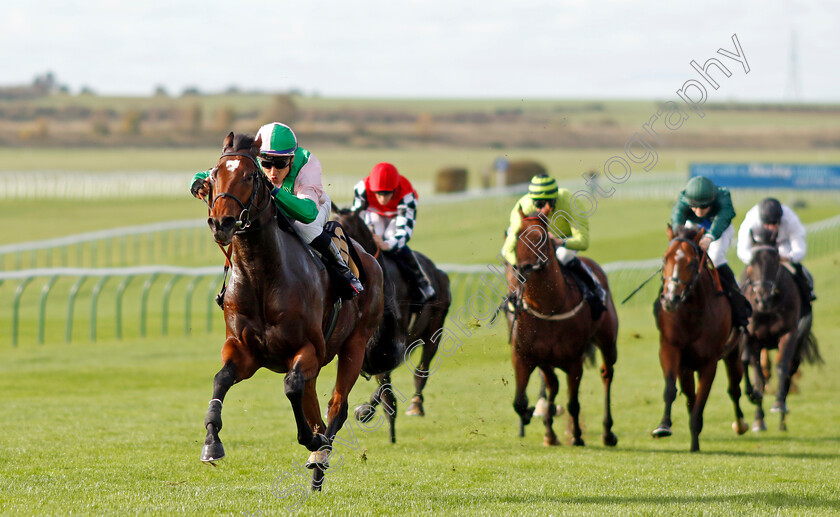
717 249
309 231
385 227
565 255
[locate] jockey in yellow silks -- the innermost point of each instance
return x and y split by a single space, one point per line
545 197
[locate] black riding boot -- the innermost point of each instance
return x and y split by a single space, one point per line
805 283
407 258
595 294
325 246
741 308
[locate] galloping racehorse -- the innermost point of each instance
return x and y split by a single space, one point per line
277 305
695 331
552 327
400 308
776 322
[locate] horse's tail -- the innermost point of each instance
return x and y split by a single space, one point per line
386 348
809 348
589 354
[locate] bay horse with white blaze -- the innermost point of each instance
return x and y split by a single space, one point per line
407 320
552 327
776 323
695 332
277 305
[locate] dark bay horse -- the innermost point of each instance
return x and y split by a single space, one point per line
277 305
695 332
776 323
552 327
418 325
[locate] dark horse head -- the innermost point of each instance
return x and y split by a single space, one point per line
236 184
681 266
764 269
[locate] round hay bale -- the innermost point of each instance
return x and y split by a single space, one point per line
451 179
521 171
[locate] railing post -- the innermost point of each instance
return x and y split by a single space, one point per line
188 303
120 291
94 297
16 308
42 315
144 303
73 292
167 291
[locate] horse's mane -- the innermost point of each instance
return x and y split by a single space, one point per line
242 142
764 236
687 233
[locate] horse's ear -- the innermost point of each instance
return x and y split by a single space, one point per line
334 208
255 147
752 236
699 235
228 141
670 232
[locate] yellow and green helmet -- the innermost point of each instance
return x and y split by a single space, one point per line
542 186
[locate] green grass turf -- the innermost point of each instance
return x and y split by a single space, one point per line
116 428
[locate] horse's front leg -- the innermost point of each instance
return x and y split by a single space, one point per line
573 377
705 377
305 367
522 369
784 369
552 384
421 376
238 365
669 359
734 371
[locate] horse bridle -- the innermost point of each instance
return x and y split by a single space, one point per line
244 221
773 286
695 275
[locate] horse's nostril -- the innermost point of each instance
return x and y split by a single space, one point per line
228 223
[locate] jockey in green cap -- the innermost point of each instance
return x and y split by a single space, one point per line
298 192
704 205
545 197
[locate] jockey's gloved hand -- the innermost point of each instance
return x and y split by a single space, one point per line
705 242
197 186
274 191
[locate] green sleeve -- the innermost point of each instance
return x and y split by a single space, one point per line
509 248
579 239
725 214
679 215
304 210
203 175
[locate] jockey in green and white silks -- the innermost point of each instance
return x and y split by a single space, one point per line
704 205
544 196
298 191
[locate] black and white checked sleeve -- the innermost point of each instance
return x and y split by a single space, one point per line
406 212
359 197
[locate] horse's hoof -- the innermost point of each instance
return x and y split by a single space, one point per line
541 409
756 397
415 409
319 459
212 452
364 413
550 441
610 439
740 426
779 407
758 426
578 442
661 432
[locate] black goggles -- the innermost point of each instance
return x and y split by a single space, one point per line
278 162
539 203
383 192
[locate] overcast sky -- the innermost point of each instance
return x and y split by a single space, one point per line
433 48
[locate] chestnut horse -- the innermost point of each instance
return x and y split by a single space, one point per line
277 305
552 327
695 332
776 323
419 325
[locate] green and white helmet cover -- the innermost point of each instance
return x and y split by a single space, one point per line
277 140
